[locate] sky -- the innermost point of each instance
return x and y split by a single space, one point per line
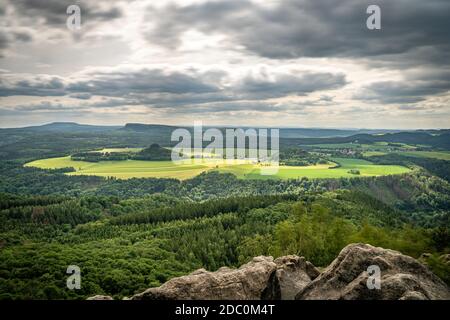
282 63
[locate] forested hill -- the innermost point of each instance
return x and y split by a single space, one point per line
125 246
287 133
63 127
159 129
37 142
154 128
437 139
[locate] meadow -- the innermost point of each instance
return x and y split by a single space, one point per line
441 155
124 169
339 167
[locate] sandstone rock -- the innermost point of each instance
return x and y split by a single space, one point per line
413 295
100 297
290 277
254 280
262 278
445 258
402 277
424 256
293 274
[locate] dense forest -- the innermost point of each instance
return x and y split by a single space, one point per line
128 235
153 153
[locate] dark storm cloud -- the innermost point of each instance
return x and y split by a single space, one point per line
254 106
189 109
35 87
22 36
142 82
8 38
415 89
108 84
4 41
42 106
162 88
39 16
319 28
249 108
81 96
289 84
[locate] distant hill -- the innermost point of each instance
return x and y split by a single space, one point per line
327 133
67 127
166 130
154 153
62 137
288 133
438 139
140 127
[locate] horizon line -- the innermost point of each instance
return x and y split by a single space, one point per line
218 126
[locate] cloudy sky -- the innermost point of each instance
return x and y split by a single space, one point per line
302 63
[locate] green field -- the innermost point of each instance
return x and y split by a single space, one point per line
374 153
365 168
333 146
124 169
442 155
242 169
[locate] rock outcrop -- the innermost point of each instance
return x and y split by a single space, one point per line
445 258
262 278
290 277
100 297
250 281
402 277
293 274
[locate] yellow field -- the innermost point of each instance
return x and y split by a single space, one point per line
189 168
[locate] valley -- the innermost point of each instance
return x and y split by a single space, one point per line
243 169
137 222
